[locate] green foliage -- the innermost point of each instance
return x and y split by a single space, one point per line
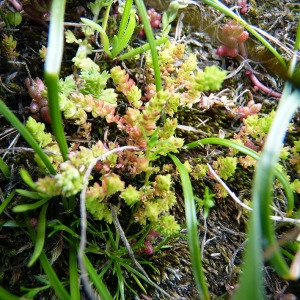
156 199
259 126
96 6
297 146
89 94
146 118
121 40
37 129
226 166
210 79
167 225
199 171
8 46
170 15
81 60
207 202
96 197
14 18
127 86
295 185
4 168
94 83
131 195
66 86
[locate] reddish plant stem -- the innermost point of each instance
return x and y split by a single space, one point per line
16 4
261 86
243 50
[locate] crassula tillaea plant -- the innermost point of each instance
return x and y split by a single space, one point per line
154 18
148 122
233 37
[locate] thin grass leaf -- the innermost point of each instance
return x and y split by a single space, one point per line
294 70
121 280
52 70
243 149
73 270
111 238
27 178
192 229
12 224
31 194
26 207
125 17
40 237
98 283
138 283
130 289
104 270
55 282
126 36
14 121
261 229
150 38
65 228
4 168
263 179
7 201
7 295
3 17
98 28
31 293
134 271
142 49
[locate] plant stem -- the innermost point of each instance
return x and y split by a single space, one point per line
243 149
150 38
10 117
192 227
262 87
52 70
142 49
261 229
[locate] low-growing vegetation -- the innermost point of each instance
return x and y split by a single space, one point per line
142 165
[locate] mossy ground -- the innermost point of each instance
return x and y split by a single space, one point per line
223 232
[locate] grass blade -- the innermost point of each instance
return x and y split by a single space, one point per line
55 282
261 230
150 38
32 195
192 228
98 28
73 270
40 237
32 206
100 286
7 295
125 17
126 36
52 70
142 49
243 149
4 168
7 201
53 279
121 280
14 121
